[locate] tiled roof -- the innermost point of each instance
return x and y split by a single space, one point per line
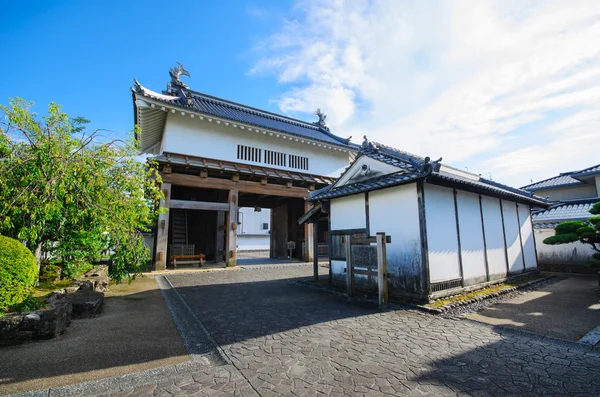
564 179
410 170
588 171
395 179
557 181
254 170
196 101
565 212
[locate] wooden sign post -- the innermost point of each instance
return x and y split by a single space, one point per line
382 271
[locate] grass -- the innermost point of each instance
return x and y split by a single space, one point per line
484 291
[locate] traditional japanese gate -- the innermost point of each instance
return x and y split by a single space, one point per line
363 258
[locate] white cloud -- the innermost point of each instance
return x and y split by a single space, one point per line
507 87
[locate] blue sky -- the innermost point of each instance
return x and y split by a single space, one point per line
85 54
499 87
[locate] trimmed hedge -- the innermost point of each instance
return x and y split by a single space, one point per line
18 272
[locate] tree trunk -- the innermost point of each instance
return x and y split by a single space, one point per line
38 258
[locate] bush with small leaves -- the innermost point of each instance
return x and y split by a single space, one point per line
18 272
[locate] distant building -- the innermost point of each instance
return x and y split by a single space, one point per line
572 195
253 232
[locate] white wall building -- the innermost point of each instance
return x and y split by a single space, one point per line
449 229
253 229
572 195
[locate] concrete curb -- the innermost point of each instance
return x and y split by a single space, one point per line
203 351
196 338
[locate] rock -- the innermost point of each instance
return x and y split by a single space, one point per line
72 289
30 322
86 304
54 321
9 327
83 284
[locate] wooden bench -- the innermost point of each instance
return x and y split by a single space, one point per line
199 259
184 255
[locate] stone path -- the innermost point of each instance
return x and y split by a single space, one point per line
287 340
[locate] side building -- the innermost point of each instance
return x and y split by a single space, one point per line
215 156
571 195
450 230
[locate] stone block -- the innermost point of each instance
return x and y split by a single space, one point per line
54 321
86 304
9 327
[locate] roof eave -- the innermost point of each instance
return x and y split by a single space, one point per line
338 146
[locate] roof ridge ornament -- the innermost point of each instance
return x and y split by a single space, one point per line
428 166
367 145
322 117
176 73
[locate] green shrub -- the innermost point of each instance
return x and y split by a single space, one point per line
49 273
28 304
18 272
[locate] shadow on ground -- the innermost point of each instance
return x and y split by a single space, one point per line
134 332
567 309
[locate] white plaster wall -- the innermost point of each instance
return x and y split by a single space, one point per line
348 212
374 166
253 242
494 237
568 193
251 222
471 238
195 137
395 211
527 237
442 240
511 227
572 253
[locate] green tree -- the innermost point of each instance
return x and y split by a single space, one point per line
72 194
586 232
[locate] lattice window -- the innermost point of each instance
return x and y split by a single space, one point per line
271 157
298 162
249 153
275 158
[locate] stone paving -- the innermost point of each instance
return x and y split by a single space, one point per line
287 340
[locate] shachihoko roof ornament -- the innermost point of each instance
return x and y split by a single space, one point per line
176 73
322 117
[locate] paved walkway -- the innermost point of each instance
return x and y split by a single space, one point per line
567 309
286 340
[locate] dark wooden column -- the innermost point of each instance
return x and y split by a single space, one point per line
309 245
315 244
231 229
162 231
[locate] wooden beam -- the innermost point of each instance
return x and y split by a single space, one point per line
162 231
315 246
349 277
199 205
382 275
231 229
310 251
226 184
235 177
203 174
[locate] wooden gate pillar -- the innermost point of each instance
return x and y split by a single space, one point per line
309 232
231 229
162 231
